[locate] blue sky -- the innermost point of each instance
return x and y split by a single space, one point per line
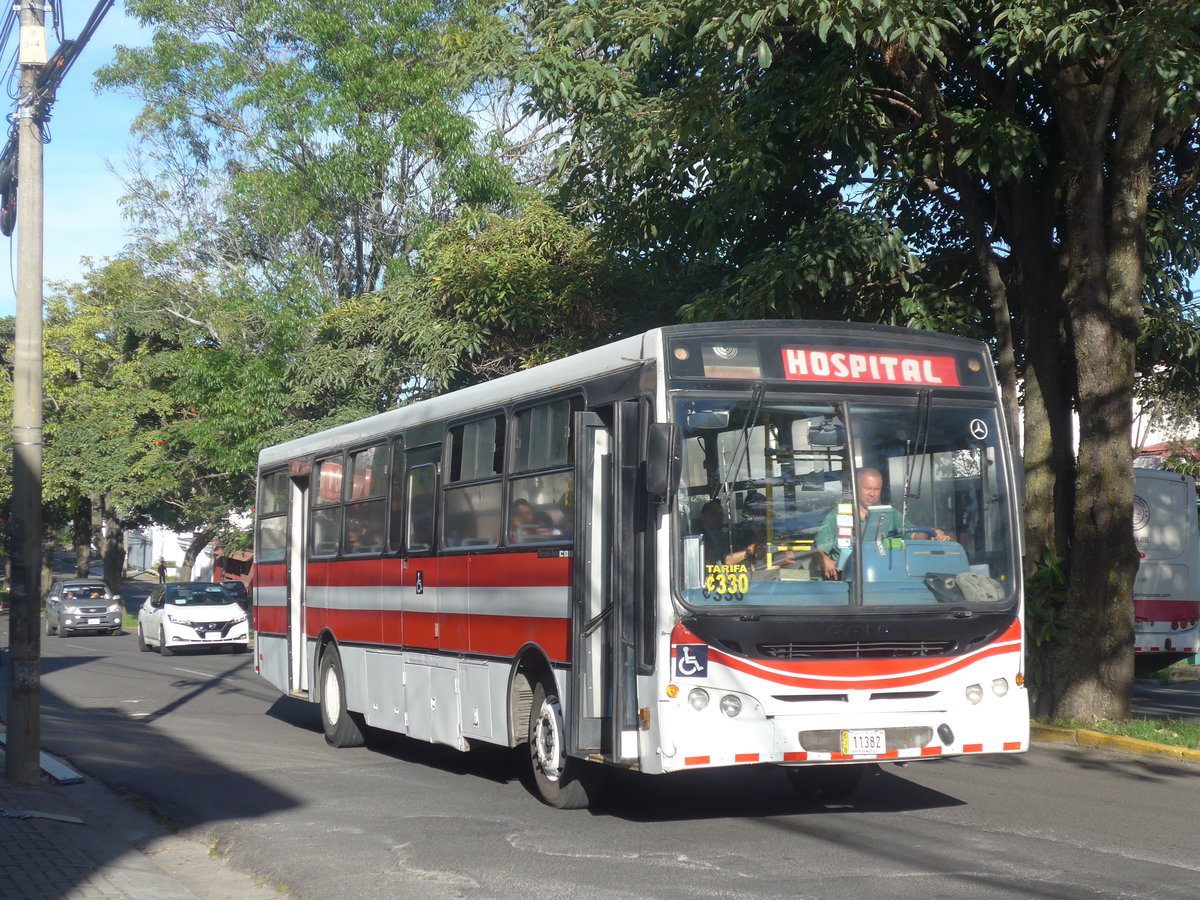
83 217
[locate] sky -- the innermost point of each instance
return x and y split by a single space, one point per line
82 213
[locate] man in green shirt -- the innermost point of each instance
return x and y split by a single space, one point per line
870 488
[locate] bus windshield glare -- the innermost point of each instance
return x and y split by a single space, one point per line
779 495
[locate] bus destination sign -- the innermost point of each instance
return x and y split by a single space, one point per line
800 364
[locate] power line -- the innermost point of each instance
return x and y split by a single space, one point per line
45 90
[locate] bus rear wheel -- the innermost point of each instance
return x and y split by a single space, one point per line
342 727
825 784
564 782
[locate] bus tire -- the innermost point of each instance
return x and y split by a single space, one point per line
564 782
825 784
342 727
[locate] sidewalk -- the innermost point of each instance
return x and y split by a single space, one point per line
83 842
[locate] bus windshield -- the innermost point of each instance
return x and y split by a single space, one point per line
822 503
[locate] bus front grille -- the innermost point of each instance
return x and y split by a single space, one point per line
858 649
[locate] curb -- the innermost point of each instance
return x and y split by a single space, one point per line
1053 734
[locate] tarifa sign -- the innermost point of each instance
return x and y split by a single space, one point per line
800 364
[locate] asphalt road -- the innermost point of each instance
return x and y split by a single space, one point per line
210 747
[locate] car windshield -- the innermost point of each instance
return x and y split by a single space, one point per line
767 504
199 595
84 592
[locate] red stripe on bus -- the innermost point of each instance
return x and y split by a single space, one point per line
270 619
745 757
476 569
440 632
696 760
795 756
931 751
1012 745
972 748
270 575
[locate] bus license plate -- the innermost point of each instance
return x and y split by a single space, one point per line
859 743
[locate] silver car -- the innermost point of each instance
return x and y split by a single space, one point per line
82 605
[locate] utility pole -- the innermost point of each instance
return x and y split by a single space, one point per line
22 754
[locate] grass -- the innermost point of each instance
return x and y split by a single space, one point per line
1170 732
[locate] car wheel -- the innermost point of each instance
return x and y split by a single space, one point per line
49 628
163 649
142 645
342 727
62 632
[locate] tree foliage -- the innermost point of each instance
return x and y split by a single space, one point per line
1037 157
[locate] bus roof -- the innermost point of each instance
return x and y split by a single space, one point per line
548 377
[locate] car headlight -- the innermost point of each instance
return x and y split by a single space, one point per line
238 621
71 610
114 607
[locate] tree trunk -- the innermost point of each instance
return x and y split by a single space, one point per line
112 548
48 549
1105 203
200 540
83 541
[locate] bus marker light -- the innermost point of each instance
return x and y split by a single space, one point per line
731 705
698 697
974 694
1020 679
672 691
644 718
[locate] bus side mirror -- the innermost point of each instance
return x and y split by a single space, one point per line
664 459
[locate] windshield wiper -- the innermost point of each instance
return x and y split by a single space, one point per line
743 444
920 445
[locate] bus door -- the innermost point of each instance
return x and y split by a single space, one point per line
298 485
603 718
419 588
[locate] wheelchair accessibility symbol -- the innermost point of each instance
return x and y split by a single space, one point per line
691 661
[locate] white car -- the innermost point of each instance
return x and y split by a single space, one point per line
192 614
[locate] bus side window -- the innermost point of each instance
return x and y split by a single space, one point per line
327 512
422 496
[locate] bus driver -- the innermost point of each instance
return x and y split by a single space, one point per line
870 487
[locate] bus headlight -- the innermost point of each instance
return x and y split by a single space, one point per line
1000 687
974 694
698 698
731 705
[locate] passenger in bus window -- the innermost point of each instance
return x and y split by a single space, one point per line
521 517
750 537
870 489
530 525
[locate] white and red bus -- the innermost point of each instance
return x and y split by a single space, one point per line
1166 591
562 558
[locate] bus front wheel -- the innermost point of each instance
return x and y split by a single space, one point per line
342 727
563 781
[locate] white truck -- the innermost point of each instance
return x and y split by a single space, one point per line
1166 591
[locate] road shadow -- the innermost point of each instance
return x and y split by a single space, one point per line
728 793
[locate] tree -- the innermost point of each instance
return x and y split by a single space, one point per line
490 294
1040 156
297 147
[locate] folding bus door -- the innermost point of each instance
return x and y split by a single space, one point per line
604 720
298 674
